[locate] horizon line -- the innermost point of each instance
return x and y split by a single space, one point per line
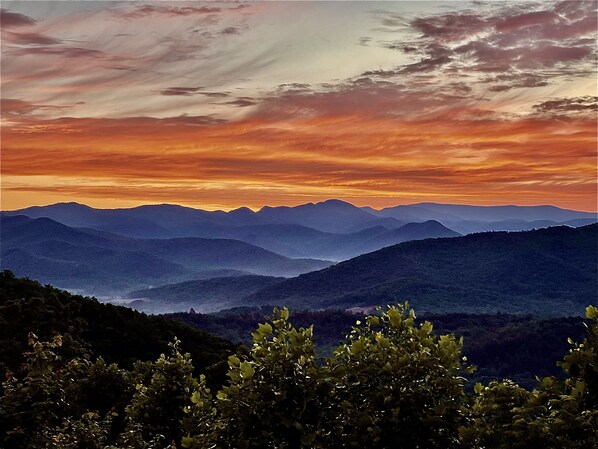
257 209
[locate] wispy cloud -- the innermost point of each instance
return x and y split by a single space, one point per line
11 107
566 106
511 46
225 104
142 11
182 91
549 159
30 39
12 19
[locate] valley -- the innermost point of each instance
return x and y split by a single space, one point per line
167 258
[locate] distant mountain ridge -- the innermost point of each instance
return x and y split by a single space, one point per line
210 295
548 272
101 263
330 230
467 219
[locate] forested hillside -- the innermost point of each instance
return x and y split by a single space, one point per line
545 272
518 347
100 263
117 334
207 295
392 383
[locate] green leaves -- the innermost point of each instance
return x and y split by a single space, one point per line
263 331
392 383
426 327
394 316
247 370
557 414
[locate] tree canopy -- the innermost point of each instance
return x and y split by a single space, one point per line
392 383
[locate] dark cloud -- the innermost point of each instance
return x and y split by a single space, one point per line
230 31
426 65
586 104
368 97
121 67
501 47
380 73
30 39
460 87
193 120
502 83
243 102
181 91
294 87
12 107
66 52
167 11
215 94
12 19
449 27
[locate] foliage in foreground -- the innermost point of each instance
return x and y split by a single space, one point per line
391 384
516 347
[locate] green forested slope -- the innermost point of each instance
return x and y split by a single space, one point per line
550 271
393 383
118 334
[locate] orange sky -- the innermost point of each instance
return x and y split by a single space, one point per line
407 102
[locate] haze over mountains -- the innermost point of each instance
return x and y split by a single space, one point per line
331 230
547 272
467 219
116 251
101 263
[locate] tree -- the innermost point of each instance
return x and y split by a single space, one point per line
154 416
396 385
392 384
272 399
557 414
47 408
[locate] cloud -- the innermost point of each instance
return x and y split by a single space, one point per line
12 107
426 65
62 51
215 94
230 30
13 19
30 39
364 41
530 19
139 12
256 160
181 91
369 96
566 106
510 80
243 102
533 44
449 27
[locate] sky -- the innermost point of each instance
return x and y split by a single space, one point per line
222 105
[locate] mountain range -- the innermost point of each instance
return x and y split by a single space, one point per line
169 257
206 296
330 230
101 263
550 271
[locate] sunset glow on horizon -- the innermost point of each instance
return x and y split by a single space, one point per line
223 105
